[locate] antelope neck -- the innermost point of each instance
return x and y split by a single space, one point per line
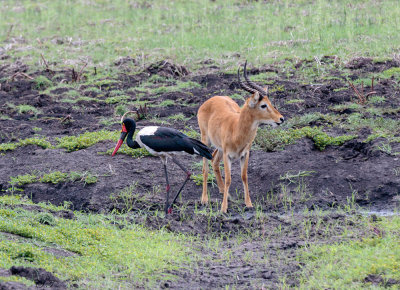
247 127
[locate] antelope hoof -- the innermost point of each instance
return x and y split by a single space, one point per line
224 209
204 201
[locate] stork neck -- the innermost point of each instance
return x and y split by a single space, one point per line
130 142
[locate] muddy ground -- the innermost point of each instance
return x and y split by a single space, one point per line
354 175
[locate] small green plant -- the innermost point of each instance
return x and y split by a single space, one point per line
198 178
167 103
73 93
41 142
178 118
262 77
161 90
385 147
392 72
117 99
54 177
23 109
23 179
126 197
42 83
304 120
187 85
376 100
114 93
120 110
294 101
191 133
342 107
95 90
341 89
46 219
74 143
271 140
135 153
292 177
157 79
89 178
5 117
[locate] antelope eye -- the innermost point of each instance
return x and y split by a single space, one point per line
263 106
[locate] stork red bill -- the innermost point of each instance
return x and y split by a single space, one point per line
120 141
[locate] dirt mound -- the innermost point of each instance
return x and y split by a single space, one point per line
376 279
369 65
167 69
41 277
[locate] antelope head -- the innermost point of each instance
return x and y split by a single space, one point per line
259 105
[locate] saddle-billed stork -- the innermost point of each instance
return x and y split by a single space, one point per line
164 143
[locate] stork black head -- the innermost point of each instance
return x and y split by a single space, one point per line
128 126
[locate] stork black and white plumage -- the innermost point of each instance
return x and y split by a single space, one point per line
164 143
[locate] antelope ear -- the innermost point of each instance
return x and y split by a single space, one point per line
254 99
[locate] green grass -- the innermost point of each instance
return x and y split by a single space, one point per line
167 103
85 140
117 99
343 107
53 177
357 121
23 109
124 149
262 78
107 256
271 140
294 101
346 265
188 31
178 118
41 142
42 83
376 100
392 72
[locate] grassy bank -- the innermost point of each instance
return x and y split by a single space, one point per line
71 32
101 250
351 265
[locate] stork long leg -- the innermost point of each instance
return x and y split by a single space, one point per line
188 174
168 187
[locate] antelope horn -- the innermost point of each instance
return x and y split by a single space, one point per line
123 116
253 85
243 86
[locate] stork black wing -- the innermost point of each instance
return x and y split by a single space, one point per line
171 140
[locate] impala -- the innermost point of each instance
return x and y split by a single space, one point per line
231 130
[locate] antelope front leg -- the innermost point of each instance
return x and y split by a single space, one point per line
227 166
217 156
244 162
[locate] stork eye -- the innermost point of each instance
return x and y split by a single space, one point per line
263 106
